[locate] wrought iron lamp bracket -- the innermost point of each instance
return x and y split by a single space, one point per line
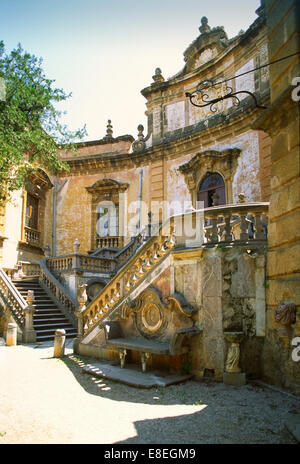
206 101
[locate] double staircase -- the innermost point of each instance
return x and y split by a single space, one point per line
47 317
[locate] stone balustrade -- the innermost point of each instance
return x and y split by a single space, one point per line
235 224
76 262
149 255
109 242
104 260
229 224
20 309
62 295
32 236
12 299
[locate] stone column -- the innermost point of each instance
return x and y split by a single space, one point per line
11 334
29 335
59 343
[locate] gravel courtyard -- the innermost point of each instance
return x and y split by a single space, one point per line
48 400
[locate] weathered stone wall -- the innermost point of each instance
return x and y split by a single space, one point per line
229 288
282 121
74 207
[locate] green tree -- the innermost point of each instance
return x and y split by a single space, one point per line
30 128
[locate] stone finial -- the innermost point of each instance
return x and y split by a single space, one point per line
158 76
204 28
76 245
47 251
109 130
139 144
30 297
140 130
82 296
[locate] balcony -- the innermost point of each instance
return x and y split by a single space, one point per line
32 236
108 242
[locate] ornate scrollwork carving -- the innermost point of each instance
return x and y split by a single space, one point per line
285 314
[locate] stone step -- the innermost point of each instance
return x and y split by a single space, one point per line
53 325
131 376
41 338
51 331
47 317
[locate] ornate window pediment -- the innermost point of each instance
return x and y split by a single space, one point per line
107 187
34 209
105 212
222 162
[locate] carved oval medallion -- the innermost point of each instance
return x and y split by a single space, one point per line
151 317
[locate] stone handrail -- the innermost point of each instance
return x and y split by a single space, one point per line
126 252
76 261
57 289
12 299
94 262
149 255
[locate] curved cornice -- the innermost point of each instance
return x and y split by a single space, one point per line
172 145
107 185
228 154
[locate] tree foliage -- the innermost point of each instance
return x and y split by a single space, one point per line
30 128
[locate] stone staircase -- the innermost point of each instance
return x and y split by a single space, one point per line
47 317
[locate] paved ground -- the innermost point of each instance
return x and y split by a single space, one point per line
48 400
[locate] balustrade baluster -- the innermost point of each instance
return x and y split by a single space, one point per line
148 263
155 256
244 227
259 233
214 230
228 236
128 283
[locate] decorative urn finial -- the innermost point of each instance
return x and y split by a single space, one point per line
76 245
204 28
139 144
109 130
158 76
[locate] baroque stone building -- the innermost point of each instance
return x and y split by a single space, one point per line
224 304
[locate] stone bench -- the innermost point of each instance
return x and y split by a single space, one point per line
172 346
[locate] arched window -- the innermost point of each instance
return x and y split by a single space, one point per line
212 190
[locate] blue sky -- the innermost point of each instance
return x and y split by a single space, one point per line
105 52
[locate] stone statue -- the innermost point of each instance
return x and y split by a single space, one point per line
233 355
